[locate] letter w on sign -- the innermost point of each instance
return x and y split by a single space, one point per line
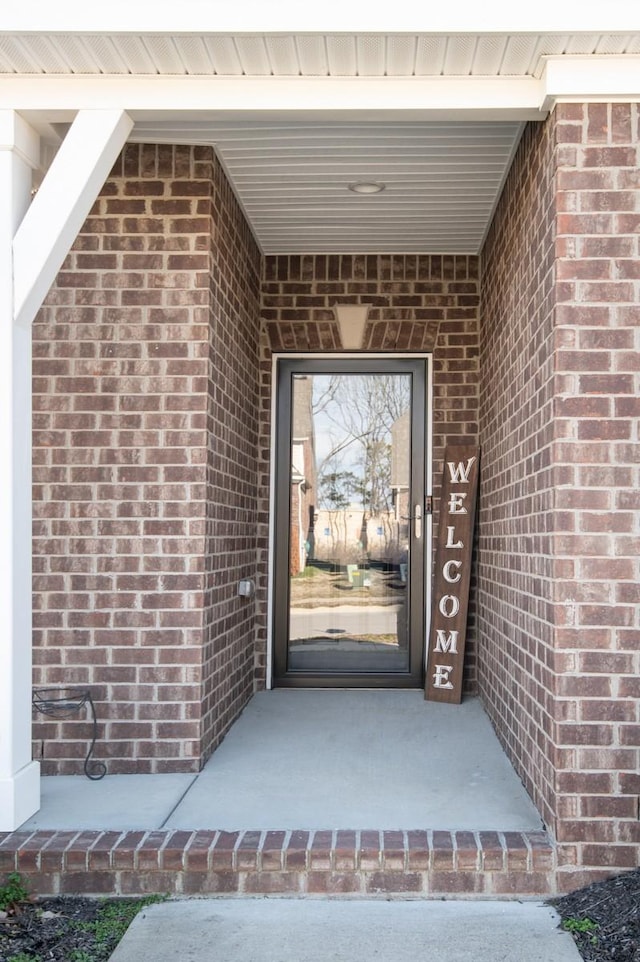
450 603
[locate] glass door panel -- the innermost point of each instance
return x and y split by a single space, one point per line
350 547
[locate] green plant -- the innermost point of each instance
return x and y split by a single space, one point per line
79 955
584 926
580 925
12 893
23 957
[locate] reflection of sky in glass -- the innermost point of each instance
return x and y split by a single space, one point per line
341 412
329 425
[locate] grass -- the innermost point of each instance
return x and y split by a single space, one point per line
108 928
92 939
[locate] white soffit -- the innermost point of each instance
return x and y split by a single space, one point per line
300 55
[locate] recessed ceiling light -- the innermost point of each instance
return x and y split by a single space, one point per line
366 187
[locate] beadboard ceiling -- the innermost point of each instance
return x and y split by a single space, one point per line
442 179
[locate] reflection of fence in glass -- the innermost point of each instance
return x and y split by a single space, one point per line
342 537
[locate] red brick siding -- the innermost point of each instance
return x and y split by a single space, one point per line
558 572
597 547
152 433
425 303
515 617
418 864
229 639
126 379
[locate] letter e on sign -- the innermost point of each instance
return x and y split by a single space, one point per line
450 601
441 676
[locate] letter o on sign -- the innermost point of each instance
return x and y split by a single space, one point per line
449 606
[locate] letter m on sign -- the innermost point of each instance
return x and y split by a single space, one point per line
450 600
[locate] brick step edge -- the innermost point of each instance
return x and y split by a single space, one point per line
366 863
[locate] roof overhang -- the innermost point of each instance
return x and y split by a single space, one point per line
298 100
166 97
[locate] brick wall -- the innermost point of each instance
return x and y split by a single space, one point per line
597 548
426 303
146 441
229 639
152 433
132 504
558 570
515 620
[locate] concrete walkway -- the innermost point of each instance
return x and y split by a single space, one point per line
284 930
313 760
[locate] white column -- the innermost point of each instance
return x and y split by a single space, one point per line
19 776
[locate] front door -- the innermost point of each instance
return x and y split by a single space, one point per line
349 584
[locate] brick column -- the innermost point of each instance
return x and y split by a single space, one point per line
597 546
559 571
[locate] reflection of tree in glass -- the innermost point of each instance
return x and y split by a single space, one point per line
362 410
337 489
335 492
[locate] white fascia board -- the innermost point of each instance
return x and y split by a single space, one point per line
577 78
148 97
62 203
333 16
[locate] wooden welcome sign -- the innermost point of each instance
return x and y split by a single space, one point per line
450 603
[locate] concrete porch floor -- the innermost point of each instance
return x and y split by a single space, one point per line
366 794
312 760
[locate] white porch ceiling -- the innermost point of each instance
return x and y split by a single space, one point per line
442 181
443 169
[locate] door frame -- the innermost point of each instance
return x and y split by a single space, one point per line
427 357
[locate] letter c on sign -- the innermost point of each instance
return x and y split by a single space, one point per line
446 572
449 602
